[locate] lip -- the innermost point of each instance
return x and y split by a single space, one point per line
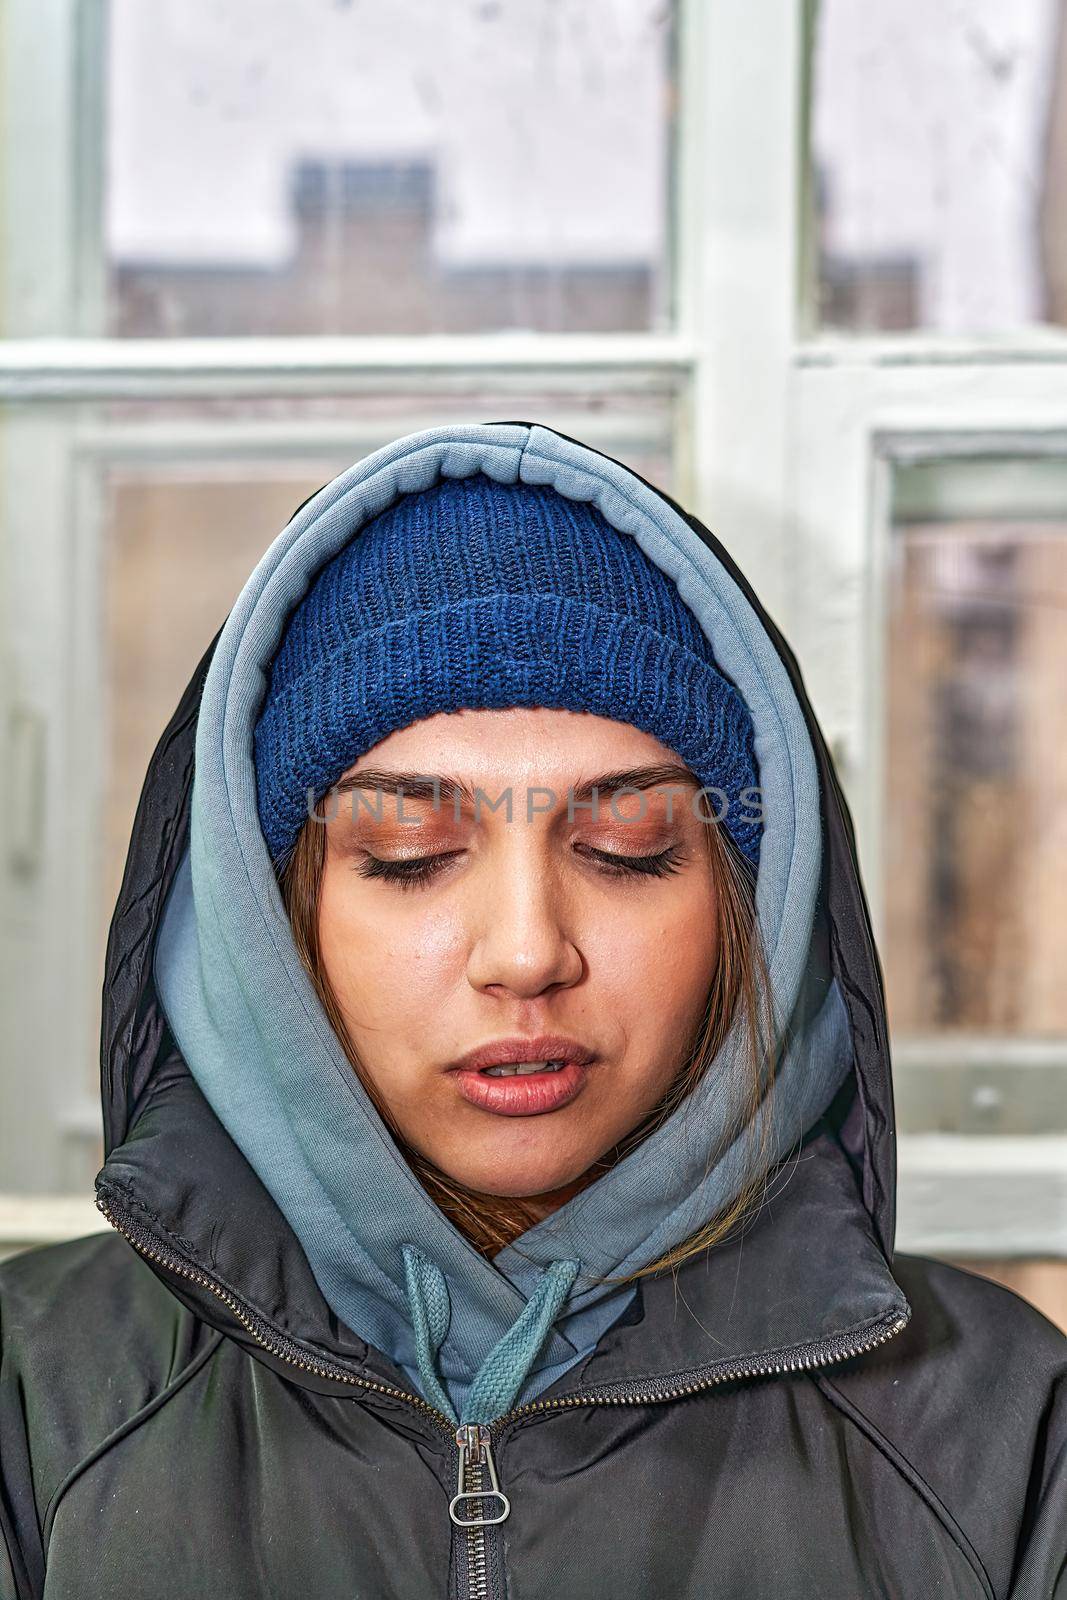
503 1052
534 1093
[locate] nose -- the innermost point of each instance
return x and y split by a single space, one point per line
523 944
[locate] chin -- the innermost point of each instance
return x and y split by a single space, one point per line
518 1190
513 1178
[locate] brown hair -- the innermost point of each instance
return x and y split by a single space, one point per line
492 1221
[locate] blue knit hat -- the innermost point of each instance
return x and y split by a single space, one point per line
474 594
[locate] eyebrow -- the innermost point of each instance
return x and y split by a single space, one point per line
432 785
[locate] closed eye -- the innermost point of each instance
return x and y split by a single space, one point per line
407 874
655 866
414 871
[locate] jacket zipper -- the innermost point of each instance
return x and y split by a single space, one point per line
475 1462
473 1441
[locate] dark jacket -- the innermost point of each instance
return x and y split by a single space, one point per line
799 1413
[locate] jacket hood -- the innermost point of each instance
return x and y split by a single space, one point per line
236 1131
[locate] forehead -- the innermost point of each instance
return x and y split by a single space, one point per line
518 744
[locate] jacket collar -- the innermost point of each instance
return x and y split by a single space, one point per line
806 1279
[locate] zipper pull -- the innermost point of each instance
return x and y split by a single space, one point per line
475 1451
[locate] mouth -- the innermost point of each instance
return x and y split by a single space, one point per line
523 1077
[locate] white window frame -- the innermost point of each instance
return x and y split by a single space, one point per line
785 439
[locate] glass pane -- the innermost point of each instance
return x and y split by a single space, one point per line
161 525
975 866
129 529
939 148
411 168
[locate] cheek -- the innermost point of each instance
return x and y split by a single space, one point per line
386 960
659 958
651 966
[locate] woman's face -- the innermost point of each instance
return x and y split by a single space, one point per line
446 928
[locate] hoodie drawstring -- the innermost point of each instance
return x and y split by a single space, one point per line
502 1374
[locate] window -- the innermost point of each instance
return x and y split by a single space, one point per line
800 265
940 166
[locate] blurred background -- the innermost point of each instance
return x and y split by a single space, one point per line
802 265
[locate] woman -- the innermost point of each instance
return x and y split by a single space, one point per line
497 1103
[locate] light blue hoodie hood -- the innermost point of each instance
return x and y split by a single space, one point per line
475 1337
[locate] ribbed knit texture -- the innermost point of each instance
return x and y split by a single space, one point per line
477 594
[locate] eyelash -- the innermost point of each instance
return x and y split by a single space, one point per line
413 873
